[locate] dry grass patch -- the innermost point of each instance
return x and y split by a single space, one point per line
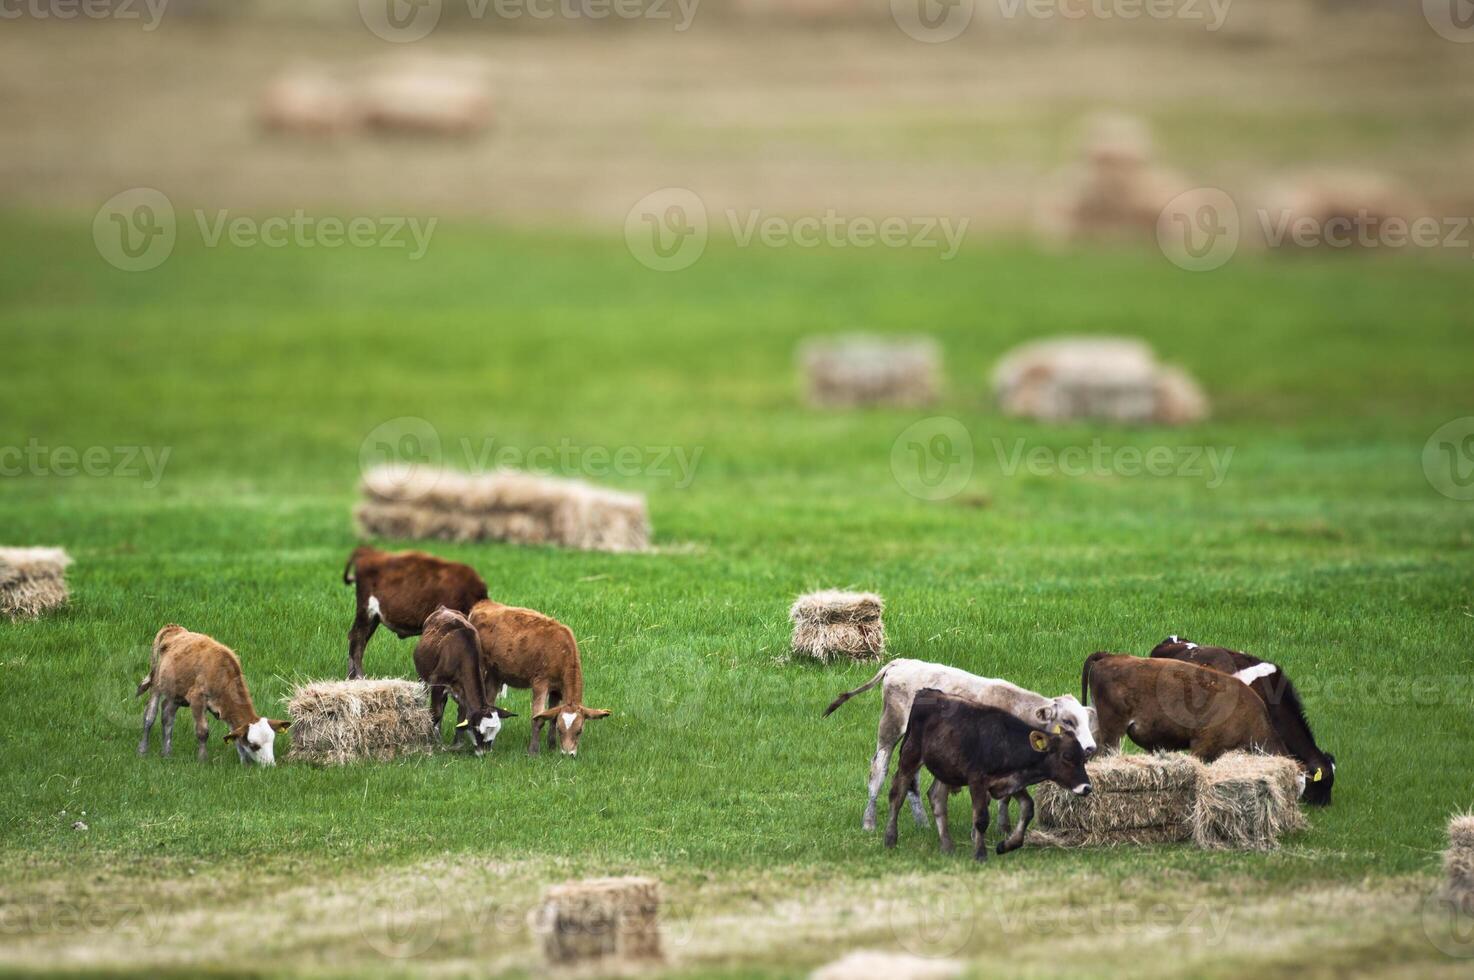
335 722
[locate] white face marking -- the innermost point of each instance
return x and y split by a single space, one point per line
259 743
1174 639
1300 782
1251 674
489 727
1073 712
1081 790
373 608
567 718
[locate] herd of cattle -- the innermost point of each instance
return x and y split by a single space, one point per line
993 737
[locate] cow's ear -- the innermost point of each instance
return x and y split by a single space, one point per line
503 713
239 731
278 726
548 714
1318 776
597 712
1044 713
1039 741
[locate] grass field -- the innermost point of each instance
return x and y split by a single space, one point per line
262 372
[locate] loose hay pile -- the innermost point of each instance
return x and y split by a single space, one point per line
1246 800
334 722
425 502
843 372
1243 801
1116 379
1458 863
600 920
1136 799
32 581
870 965
832 622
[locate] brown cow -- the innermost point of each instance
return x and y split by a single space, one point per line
1286 712
1168 704
525 648
448 660
401 589
194 669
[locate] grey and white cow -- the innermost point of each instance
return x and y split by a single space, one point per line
902 679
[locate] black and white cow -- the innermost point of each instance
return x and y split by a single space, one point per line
1286 713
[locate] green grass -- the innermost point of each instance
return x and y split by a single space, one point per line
262 371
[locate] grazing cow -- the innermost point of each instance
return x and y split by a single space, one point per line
194 669
1168 704
988 750
525 648
903 678
448 659
1286 712
400 589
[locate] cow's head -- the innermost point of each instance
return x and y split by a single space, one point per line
256 742
1065 764
484 727
1066 714
1318 781
1172 644
568 720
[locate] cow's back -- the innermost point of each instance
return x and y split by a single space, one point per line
521 643
188 659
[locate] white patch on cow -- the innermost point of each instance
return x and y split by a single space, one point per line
1300 782
1081 790
1191 646
488 728
567 718
1174 638
1251 674
373 607
503 694
260 743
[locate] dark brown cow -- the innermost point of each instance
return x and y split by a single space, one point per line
988 750
1286 712
526 648
448 660
400 589
1168 704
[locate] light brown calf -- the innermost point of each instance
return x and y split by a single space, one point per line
194 669
525 648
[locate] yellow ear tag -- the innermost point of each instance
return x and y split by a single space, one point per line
1056 730
1316 777
1038 741
468 722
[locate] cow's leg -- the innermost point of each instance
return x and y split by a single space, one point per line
201 728
166 725
149 714
1112 723
906 772
913 796
555 698
892 727
979 820
1015 840
939 794
437 712
358 636
539 704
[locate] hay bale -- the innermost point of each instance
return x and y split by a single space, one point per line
307 102
32 581
873 965
1246 800
335 722
522 508
1339 209
1115 379
849 371
428 97
1458 863
832 622
1136 799
600 920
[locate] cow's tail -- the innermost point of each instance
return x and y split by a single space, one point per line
154 656
350 569
879 676
1085 675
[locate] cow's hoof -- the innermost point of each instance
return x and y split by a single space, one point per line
890 840
947 847
981 857
867 825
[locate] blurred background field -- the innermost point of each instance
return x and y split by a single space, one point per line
528 322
